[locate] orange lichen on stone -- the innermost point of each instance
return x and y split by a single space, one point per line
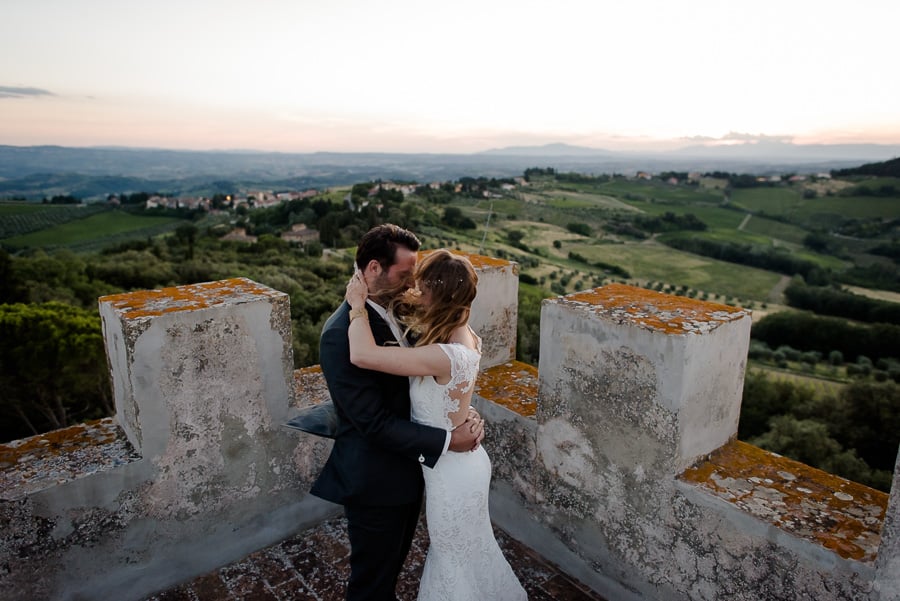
478 261
655 310
309 386
54 457
513 385
151 303
841 515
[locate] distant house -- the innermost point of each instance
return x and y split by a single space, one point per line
264 199
300 234
405 189
239 234
190 202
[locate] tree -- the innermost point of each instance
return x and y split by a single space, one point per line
803 440
453 217
10 291
187 234
870 421
580 228
53 370
515 235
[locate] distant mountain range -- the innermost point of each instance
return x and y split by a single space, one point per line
37 171
761 150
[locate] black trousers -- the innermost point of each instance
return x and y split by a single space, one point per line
380 538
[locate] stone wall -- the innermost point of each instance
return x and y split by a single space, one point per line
616 459
198 470
631 479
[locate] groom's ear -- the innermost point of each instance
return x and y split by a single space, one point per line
373 267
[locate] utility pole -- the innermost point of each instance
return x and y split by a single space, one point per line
486 224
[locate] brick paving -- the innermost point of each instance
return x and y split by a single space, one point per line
314 564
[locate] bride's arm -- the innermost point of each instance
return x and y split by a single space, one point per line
427 360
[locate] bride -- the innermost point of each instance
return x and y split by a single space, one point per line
464 562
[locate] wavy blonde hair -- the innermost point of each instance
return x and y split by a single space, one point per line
453 284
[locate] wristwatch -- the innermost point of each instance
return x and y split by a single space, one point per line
361 312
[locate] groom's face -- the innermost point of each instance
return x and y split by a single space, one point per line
397 278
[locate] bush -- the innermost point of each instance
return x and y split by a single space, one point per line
580 228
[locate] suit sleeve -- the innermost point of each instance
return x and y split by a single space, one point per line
358 395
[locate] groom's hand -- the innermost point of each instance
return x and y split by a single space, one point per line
468 435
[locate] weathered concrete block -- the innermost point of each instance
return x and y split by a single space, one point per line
192 363
495 310
642 379
887 578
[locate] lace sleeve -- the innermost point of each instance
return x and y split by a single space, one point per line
464 364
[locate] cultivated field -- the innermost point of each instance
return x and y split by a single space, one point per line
98 227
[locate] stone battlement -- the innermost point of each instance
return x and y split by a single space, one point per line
615 458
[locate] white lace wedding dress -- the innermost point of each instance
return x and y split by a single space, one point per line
464 562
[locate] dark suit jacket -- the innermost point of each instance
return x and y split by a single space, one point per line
378 451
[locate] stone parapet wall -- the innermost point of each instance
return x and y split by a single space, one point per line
887 578
197 471
629 475
616 459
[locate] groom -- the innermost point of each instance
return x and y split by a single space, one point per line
374 467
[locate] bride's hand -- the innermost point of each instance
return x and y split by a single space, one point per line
357 290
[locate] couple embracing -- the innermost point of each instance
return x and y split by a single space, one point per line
400 361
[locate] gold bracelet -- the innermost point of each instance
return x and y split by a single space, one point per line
361 312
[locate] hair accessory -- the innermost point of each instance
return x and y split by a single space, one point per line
440 282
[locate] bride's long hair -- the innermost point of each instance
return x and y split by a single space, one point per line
453 283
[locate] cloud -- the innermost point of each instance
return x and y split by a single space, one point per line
734 137
14 92
753 139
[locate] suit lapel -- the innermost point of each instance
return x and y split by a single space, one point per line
381 331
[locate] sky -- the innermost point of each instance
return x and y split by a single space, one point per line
455 76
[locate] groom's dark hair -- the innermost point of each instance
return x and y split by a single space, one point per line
381 242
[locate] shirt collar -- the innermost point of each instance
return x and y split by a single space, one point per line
391 321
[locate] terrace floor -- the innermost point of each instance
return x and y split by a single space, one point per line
314 564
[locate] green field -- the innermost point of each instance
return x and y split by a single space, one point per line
20 218
789 203
640 190
854 207
656 262
775 229
712 216
821 386
24 208
772 201
105 225
595 204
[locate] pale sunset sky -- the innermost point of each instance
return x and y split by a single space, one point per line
452 76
